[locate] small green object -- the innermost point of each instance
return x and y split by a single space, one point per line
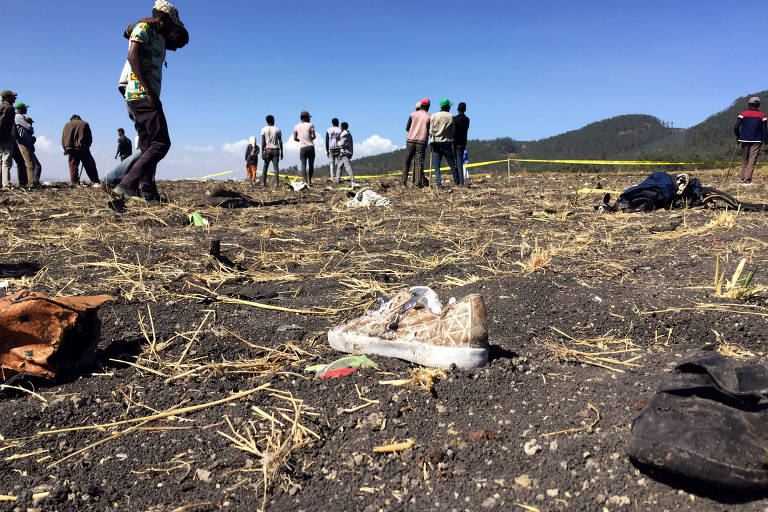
344 362
674 215
196 219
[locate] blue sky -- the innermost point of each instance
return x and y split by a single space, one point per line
527 70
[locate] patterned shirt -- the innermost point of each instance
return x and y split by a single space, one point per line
152 55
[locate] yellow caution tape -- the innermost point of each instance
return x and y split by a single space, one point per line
492 162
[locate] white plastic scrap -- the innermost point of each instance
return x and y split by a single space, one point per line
368 197
299 185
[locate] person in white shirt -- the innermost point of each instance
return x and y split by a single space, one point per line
332 147
271 148
304 134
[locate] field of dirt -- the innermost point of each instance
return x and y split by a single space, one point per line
200 401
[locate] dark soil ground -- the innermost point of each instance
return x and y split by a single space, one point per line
560 282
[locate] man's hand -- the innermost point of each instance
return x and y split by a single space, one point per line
281 156
328 154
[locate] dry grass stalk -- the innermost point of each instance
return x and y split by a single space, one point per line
539 260
424 378
604 352
731 350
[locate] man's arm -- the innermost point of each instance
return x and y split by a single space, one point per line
135 61
765 133
119 142
280 144
327 150
263 146
312 134
87 136
295 135
408 124
63 139
737 127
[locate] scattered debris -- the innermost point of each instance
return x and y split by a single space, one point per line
196 219
367 198
340 367
393 448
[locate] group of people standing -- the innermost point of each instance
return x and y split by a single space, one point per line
17 143
339 148
449 139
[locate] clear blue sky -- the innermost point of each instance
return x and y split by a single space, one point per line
527 70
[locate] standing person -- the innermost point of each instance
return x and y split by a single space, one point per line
346 149
272 149
26 141
461 128
124 147
441 131
252 159
76 139
332 150
751 130
7 138
304 134
416 142
146 55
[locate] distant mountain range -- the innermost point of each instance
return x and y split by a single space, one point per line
626 137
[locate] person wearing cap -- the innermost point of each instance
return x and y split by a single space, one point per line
304 134
76 140
26 141
751 131
148 40
272 149
332 150
442 132
7 137
417 129
461 124
252 158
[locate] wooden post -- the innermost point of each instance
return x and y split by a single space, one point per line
509 169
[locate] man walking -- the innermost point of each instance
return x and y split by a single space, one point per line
461 128
76 139
124 147
346 149
272 149
26 141
416 143
751 130
7 142
332 149
146 55
441 131
304 134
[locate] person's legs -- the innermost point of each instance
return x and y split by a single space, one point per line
38 170
344 163
29 164
754 152
450 156
21 167
311 156
436 158
459 156
116 175
410 150
6 161
154 143
272 155
90 166
74 163
303 155
418 165
333 164
744 160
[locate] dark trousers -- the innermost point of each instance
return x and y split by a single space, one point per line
82 155
414 152
271 155
307 154
154 143
459 155
445 149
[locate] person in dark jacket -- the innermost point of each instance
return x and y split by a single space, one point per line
461 128
7 136
751 130
124 146
76 139
252 159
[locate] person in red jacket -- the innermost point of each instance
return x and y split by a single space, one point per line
751 130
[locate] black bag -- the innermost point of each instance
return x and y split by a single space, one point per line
708 422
